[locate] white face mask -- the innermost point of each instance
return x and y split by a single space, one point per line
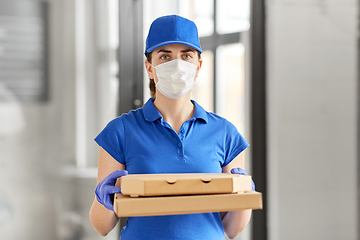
175 78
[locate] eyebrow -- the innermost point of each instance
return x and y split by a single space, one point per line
168 51
187 50
164 50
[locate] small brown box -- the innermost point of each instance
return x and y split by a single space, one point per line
126 206
184 184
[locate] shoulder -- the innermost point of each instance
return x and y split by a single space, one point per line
125 119
209 117
131 115
215 119
220 125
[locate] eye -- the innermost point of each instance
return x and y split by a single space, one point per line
164 57
187 56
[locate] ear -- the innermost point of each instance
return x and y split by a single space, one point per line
149 69
198 68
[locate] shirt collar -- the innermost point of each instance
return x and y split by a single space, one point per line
199 112
151 113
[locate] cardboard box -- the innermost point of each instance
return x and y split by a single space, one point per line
184 184
126 206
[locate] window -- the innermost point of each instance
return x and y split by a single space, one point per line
220 86
24 51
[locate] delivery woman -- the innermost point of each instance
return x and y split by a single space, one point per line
169 134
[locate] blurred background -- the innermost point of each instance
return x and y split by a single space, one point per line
285 72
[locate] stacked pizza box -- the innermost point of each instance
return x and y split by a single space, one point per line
169 194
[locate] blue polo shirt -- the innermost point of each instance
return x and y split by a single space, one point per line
145 143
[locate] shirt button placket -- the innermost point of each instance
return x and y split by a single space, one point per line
180 151
180 144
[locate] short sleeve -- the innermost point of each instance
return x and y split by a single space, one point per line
111 139
234 143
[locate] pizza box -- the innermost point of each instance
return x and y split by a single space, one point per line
136 185
126 206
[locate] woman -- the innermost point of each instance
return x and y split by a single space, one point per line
169 134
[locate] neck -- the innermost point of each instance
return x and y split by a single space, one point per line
174 111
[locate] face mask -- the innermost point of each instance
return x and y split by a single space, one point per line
175 78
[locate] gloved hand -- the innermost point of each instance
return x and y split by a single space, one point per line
243 172
106 188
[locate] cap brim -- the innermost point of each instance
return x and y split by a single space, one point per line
172 42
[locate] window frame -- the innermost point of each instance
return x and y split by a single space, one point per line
258 113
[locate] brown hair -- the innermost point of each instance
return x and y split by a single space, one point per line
152 82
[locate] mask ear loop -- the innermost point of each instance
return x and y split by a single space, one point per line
156 74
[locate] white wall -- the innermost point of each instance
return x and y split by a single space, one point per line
312 106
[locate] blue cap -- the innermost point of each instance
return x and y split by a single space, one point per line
172 29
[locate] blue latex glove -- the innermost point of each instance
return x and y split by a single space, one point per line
106 188
243 172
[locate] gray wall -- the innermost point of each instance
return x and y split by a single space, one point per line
43 196
32 156
312 107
